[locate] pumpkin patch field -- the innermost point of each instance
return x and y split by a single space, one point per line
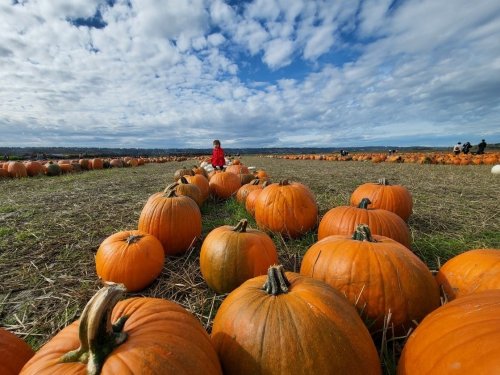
52 229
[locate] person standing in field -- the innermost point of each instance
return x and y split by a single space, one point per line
218 157
481 146
466 148
457 148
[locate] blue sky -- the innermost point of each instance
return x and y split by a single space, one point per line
262 73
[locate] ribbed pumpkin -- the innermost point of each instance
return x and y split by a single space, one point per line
14 353
244 190
470 272
17 169
96 163
174 220
343 220
394 198
286 207
34 168
461 337
377 274
284 323
133 258
231 255
183 187
149 336
224 184
237 169
202 183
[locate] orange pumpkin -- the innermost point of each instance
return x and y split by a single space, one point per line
231 255
16 169
237 169
470 272
202 183
224 184
290 324
286 207
174 220
183 187
343 220
14 353
460 337
244 190
377 274
394 198
149 336
34 168
132 258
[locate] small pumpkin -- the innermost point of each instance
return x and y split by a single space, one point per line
17 169
132 258
183 187
231 255
394 198
343 220
237 169
174 220
34 168
182 172
224 184
284 323
286 207
377 274
470 272
202 183
244 190
134 336
14 353
460 337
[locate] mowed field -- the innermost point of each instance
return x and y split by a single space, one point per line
50 229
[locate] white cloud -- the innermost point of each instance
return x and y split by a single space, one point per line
179 75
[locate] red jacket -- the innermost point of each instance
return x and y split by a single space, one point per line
218 157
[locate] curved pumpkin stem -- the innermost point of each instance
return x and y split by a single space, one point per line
363 233
170 187
98 337
133 238
284 182
241 226
276 282
170 193
383 181
364 203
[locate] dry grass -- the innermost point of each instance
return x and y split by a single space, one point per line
50 229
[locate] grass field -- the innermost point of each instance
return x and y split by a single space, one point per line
50 229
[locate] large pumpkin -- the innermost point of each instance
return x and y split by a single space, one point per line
290 324
470 272
133 258
394 198
148 336
286 207
224 184
231 255
461 337
343 220
14 353
174 220
377 274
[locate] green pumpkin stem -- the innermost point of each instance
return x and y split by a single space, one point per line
98 337
276 282
363 233
241 226
382 181
364 203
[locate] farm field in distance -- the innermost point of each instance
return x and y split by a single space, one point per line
50 229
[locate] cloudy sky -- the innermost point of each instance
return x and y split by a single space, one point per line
261 73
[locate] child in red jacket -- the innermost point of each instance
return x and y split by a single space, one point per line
218 160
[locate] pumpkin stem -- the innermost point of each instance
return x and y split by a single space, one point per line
284 182
170 192
170 187
241 226
133 238
98 337
382 181
364 203
276 282
363 233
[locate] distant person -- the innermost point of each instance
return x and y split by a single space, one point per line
392 152
457 148
466 148
218 158
6 157
344 153
481 146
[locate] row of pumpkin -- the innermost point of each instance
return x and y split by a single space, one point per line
489 158
257 329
